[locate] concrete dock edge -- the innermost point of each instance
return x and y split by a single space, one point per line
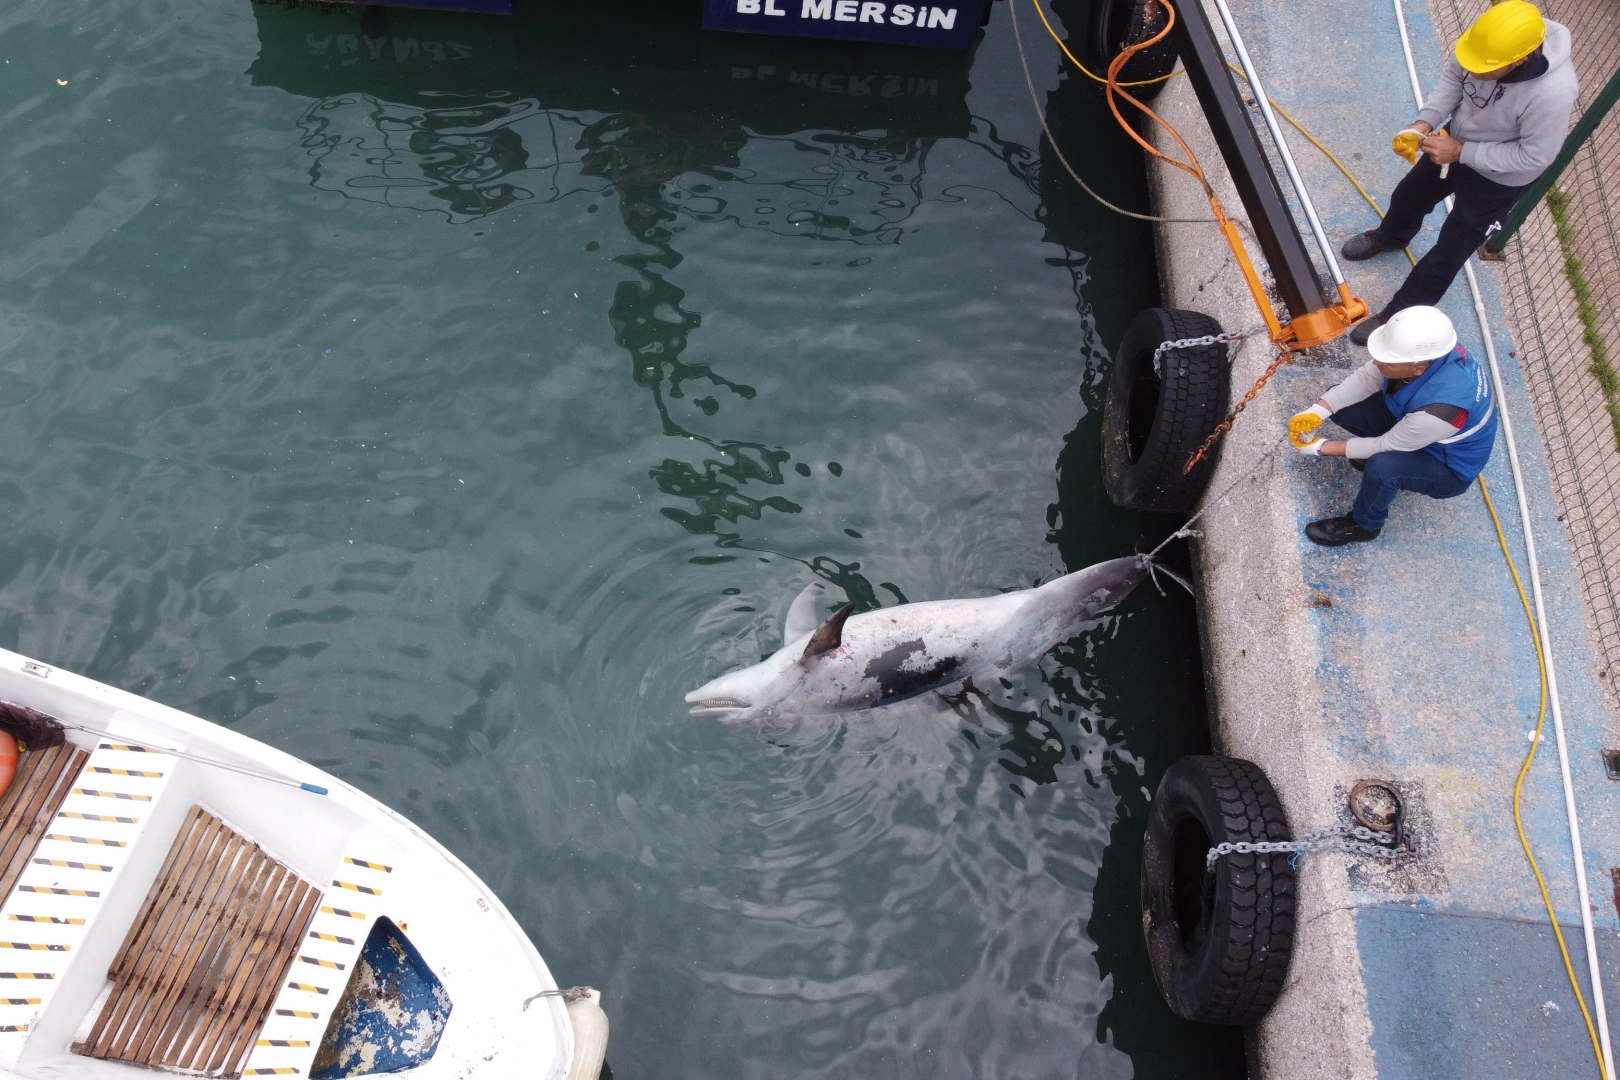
1407 659
1260 654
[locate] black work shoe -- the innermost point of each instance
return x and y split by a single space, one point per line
1360 332
1332 532
1366 245
1358 464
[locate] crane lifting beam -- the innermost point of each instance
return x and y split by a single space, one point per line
1246 160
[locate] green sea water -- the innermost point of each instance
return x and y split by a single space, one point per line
440 398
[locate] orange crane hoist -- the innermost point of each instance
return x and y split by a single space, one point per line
1313 318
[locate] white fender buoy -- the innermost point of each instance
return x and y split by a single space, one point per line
590 1036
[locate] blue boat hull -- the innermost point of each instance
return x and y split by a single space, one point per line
470 7
940 24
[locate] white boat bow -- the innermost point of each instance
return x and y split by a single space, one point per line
179 896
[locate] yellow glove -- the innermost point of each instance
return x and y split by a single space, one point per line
1405 144
1300 425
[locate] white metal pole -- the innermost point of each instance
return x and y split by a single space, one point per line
1600 1012
1277 138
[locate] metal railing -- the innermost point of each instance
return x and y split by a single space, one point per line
1593 116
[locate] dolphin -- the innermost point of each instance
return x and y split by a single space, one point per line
851 662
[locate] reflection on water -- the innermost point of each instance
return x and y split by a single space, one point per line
645 166
842 186
465 160
446 398
470 157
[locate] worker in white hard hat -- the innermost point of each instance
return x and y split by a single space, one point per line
1508 90
1421 415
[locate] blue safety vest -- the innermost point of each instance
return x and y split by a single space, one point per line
1456 379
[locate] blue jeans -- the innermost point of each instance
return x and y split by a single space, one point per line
1394 471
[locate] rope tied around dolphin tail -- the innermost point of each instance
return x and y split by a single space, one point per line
1155 568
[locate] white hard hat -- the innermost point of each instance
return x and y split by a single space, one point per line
1414 335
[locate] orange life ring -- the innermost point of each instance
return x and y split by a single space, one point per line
8 760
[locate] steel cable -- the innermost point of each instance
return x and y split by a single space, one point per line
1040 114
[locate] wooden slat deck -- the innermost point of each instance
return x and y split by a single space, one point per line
29 805
199 969
356 892
64 867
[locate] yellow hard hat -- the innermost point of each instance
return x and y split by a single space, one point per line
1509 31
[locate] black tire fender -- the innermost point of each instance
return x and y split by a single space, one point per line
1155 420
1219 940
1116 24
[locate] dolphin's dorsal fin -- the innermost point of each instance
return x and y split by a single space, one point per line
801 617
829 635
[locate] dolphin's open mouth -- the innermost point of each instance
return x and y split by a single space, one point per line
715 706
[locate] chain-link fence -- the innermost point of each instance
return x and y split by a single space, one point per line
1575 412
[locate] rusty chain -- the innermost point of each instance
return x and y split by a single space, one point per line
1283 357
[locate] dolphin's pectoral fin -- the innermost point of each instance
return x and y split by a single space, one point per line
966 703
801 617
829 635
964 695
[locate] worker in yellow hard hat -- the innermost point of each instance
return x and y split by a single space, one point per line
1508 92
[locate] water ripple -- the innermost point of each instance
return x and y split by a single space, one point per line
441 399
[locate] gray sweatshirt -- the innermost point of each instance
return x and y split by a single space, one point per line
1510 131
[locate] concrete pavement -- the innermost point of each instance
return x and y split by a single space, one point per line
1409 658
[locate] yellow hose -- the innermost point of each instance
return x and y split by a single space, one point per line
1075 60
1524 771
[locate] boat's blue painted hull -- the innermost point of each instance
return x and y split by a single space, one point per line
942 24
